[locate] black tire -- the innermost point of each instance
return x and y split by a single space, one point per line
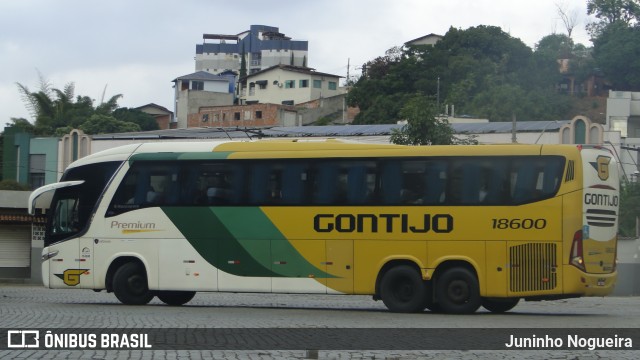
403 290
457 291
175 298
499 305
130 285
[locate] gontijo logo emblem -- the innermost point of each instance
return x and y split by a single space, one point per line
71 277
602 166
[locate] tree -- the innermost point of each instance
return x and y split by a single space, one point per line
101 124
380 66
108 107
466 68
569 18
56 111
144 120
629 208
558 46
617 53
23 124
424 126
610 12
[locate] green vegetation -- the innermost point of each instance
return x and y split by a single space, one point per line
485 72
57 111
13 185
629 208
482 71
424 127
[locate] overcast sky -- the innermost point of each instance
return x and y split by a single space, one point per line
136 48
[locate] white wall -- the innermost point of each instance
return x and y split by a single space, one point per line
276 94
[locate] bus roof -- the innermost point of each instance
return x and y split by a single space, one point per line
315 149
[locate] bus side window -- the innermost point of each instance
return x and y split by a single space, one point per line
412 175
523 182
237 184
356 185
126 191
259 184
215 184
294 179
495 181
471 184
551 178
392 188
325 184
358 182
436 182
172 195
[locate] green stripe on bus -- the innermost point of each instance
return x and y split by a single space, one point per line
211 239
240 241
253 223
168 156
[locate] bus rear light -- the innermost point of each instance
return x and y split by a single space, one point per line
575 258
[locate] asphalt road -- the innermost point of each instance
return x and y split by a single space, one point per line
34 307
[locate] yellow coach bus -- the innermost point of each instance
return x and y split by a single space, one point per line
445 228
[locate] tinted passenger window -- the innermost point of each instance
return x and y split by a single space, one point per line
444 181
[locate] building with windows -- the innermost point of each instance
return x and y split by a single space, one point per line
199 89
263 46
277 87
162 115
623 117
623 113
29 160
288 85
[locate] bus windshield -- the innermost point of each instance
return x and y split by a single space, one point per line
72 206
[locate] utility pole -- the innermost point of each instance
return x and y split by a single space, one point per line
344 100
438 98
348 61
513 128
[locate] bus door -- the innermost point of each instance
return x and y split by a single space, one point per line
73 263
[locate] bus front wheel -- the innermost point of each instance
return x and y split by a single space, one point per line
175 298
499 305
403 290
457 291
130 284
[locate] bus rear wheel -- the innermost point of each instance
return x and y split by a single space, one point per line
130 284
499 305
457 291
403 290
175 298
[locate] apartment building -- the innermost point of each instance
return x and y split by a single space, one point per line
263 47
288 85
